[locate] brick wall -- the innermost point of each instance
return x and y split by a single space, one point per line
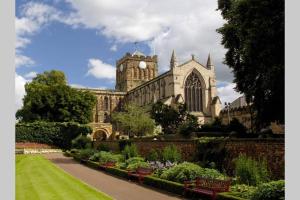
271 149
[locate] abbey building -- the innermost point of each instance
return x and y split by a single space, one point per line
137 81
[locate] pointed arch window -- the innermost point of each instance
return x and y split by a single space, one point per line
106 104
193 93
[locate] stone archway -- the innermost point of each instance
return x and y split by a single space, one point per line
100 135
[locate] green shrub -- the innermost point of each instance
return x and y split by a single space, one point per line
81 142
95 157
188 126
171 153
189 171
211 152
121 165
59 134
251 172
130 151
85 154
74 151
134 160
216 125
236 126
136 165
243 191
105 157
273 190
152 155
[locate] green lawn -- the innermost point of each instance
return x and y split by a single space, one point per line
38 179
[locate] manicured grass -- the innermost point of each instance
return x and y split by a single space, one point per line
38 179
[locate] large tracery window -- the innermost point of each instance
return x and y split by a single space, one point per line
193 93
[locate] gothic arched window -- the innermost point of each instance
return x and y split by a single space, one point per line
193 93
106 104
163 85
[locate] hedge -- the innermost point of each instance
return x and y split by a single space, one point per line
169 186
118 172
228 196
58 134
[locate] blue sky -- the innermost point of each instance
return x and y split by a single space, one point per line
85 38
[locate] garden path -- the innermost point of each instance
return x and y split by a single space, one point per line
119 189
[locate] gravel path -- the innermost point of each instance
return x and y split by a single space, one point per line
117 188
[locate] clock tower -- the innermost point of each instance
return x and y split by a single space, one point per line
134 69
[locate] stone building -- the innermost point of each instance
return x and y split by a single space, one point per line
137 81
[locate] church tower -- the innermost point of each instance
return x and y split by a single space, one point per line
134 69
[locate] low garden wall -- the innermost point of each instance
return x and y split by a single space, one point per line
272 149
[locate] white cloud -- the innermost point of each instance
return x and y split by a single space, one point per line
99 69
30 75
227 93
189 27
33 17
21 60
114 48
19 90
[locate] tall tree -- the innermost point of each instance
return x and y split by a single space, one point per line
49 98
254 38
133 120
171 118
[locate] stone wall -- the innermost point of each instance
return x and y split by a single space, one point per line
271 149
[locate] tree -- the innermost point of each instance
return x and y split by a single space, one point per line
171 118
49 98
133 120
254 38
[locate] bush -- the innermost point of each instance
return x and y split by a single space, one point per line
273 190
189 171
243 191
211 152
236 126
105 157
170 153
188 126
81 142
152 156
136 165
216 125
95 157
130 151
85 154
134 160
59 134
251 172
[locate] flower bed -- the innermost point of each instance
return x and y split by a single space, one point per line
170 176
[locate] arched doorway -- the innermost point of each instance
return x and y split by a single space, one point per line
100 135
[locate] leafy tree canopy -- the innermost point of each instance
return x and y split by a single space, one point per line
49 98
254 38
134 120
171 118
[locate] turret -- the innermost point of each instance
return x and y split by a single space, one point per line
173 62
209 64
